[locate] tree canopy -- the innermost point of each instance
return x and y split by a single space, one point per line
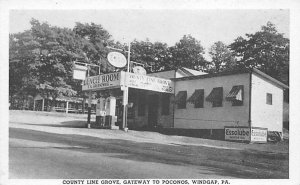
266 50
222 58
41 58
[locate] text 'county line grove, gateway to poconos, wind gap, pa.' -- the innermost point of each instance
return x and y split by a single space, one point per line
139 181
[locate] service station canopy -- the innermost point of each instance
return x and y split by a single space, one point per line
124 79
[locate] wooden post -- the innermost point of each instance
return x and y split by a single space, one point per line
67 107
43 104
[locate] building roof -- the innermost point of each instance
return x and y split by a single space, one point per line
235 72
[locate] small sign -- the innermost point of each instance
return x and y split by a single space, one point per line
116 59
79 72
237 133
259 135
139 70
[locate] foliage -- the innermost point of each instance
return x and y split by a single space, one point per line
266 50
154 56
222 59
188 52
41 59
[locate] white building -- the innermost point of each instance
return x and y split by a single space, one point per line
196 100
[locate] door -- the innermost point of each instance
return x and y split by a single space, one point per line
153 110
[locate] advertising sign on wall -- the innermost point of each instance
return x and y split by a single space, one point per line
149 83
259 134
237 133
102 81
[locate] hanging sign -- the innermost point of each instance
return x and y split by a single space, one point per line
139 70
149 83
116 59
104 81
79 72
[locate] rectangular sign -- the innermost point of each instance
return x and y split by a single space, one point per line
103 81
149 83
79 72
259 134
237 133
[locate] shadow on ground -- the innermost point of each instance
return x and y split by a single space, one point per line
67 124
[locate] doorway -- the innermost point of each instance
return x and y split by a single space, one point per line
153 101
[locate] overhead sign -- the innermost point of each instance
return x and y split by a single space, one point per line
259 134
237 133
79 72
116 59
105 81
149 83
139 70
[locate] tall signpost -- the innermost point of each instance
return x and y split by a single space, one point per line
125 93
118 60
79 73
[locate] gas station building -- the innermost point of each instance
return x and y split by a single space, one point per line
189 99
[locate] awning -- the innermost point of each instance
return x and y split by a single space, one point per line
198 94
180 97
236 93
215 95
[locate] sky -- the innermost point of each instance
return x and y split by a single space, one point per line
163 25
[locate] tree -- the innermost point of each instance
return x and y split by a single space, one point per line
153 55
222 59
266 50
41 60
95 38
188 52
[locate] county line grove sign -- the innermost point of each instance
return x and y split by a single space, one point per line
121 79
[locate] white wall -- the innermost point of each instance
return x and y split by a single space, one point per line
262 114
213 117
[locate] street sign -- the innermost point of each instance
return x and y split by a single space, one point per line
116 59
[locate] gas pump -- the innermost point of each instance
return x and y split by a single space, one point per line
100 112
110 109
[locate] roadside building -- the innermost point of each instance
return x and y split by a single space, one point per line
62 104
189 99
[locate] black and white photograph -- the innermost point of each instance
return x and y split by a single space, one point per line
135 93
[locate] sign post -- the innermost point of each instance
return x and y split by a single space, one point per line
125 94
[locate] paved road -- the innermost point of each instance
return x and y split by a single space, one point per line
54 146
36 154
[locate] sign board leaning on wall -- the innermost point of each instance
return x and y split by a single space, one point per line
259 134
237 133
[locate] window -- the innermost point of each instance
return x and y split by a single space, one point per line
142 105
236 95
269 98
216 97
180 99
165 104
197 98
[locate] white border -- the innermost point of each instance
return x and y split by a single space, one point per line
293 5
